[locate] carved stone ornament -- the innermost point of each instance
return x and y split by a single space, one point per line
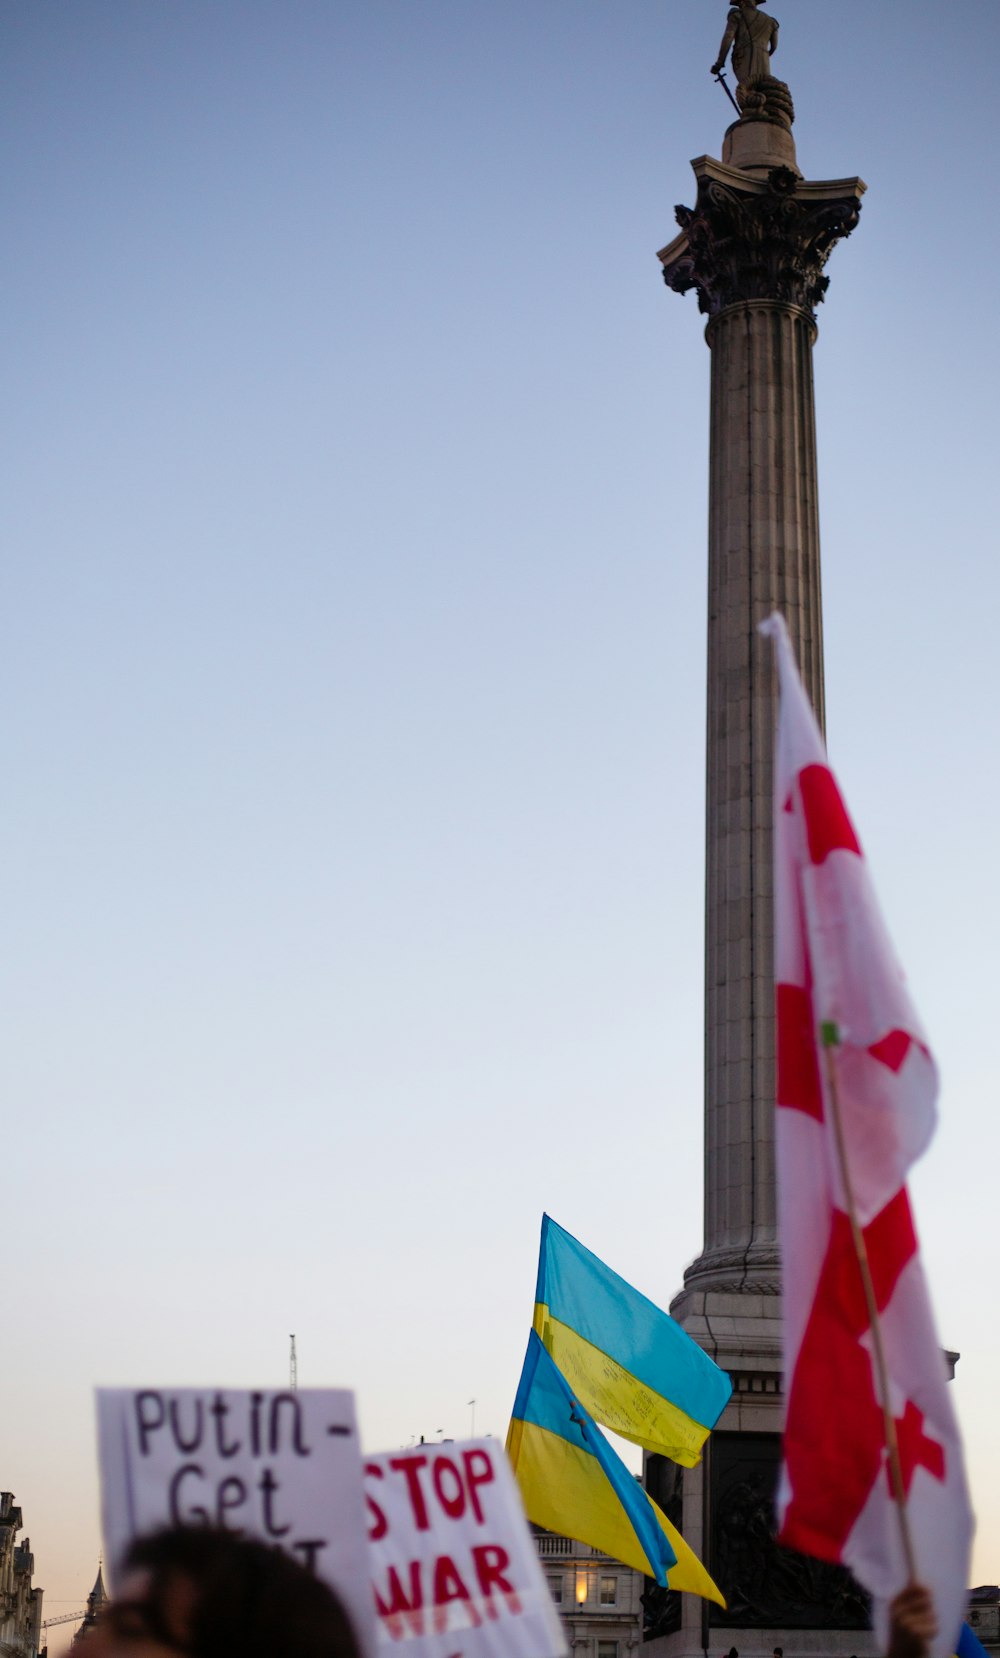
735 1270
747 239
765 1585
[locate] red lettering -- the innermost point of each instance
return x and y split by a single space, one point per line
409 1466
402 1609
478 1471
379 1524
491 1561
454 1506
448 1585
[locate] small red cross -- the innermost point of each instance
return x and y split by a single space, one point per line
916 1449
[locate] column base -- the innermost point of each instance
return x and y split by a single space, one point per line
760 1643
725 1507
774 1596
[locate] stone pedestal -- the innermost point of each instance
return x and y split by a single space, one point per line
755 144
754 249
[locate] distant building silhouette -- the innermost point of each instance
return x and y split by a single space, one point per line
97 1598
20 1604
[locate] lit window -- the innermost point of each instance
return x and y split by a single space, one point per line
609 1595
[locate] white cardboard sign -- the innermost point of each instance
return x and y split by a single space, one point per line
283 1466
454 1567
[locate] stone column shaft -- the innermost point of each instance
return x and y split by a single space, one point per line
763 556
754 249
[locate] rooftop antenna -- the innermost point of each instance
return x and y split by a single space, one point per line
293 1366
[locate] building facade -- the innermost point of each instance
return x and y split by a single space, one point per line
984 1615
597 1598
20 1604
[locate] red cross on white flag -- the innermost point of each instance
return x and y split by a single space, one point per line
850 1043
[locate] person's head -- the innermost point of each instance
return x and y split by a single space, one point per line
202 1593
779 1652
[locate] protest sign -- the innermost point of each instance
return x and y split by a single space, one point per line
454 1566
284 1467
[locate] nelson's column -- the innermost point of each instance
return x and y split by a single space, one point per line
753 248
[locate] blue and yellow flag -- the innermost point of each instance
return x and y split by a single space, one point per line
969 1644
571 1481
633 1368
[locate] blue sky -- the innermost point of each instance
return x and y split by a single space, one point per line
353 668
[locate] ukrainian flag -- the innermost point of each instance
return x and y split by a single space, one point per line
633 1368
969 1644
571 1481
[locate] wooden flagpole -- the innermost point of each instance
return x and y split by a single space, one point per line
831 1039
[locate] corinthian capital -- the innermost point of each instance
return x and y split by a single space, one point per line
751 238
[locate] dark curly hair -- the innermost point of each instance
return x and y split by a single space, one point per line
252 1600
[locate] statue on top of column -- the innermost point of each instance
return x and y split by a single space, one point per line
753 37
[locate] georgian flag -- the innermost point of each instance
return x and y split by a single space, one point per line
835 970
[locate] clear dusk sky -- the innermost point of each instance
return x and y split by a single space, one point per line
353 610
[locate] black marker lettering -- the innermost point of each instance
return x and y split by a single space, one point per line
267 1487
232 1494
309 1548
180 1516
148 1424
274 1427
220 1410
256 1400
183 1444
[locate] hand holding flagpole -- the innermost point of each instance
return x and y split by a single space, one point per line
873 1473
